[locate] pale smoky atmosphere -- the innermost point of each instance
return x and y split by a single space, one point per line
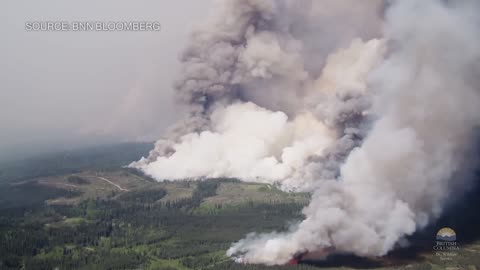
240 134
64 89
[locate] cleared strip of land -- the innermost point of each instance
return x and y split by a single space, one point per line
110 182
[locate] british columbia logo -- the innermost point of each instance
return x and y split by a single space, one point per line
446 244
447 235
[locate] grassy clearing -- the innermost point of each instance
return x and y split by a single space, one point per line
233 196
238 193
177 190
161 264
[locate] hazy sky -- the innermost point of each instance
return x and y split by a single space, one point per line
63 89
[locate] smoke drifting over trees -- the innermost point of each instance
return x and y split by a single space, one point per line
369 106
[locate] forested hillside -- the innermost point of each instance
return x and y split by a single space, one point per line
94 214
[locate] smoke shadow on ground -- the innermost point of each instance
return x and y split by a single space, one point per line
398 257
462 216
350 261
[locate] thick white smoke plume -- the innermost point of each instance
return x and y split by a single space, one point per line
376 130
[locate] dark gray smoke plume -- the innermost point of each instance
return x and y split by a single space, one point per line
259 75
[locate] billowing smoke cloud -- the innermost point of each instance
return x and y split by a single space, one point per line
399 178
374 123
256 144
242 145
270 53
262 107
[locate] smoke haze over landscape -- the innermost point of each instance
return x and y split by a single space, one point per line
71 89
374 118
370 107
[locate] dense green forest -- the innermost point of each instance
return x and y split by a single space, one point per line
83 210
131 231
148 227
